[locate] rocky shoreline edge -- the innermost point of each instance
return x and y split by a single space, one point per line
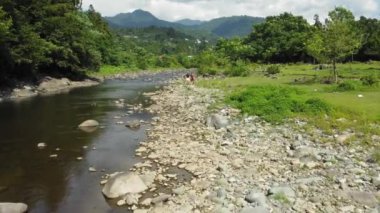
49 85
201 160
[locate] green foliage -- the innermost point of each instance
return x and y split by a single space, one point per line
338 39
376 156
281 197
276 103
370 28
316 106
347 86
369 80
51 37
211 63
5 24
273 70
280 39
238 68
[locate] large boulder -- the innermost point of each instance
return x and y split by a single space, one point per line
13 207
217 121
124 183
89 123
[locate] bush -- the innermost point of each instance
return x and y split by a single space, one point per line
317 106
274 104
238 68
207 70
347 86
369 80
273 70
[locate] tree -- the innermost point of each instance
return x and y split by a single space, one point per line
371 39
280 39
337 40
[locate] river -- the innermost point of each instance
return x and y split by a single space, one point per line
65 184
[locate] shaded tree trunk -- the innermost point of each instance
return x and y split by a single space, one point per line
335 72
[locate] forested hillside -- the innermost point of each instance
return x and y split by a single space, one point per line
51 37
225 27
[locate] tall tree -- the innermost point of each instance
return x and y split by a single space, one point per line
371 39
280 38
337 40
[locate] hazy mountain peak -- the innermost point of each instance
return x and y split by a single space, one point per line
189 22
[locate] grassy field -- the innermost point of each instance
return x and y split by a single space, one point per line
358 103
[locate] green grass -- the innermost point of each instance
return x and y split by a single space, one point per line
351 99
281 197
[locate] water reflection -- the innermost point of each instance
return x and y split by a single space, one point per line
64 184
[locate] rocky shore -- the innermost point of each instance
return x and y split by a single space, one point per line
46 86
201 159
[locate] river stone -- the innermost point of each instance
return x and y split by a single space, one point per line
122 184
13 207
256 197
89 123
258 209
217 121
365 198
161 198
41 145
135 124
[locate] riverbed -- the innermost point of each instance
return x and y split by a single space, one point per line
64 183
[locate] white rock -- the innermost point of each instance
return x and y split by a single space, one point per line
41 145
89 123
13 207
122 184
121 203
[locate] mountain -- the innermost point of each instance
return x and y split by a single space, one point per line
226 27
189 22
137 19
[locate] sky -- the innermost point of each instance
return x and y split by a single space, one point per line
172 10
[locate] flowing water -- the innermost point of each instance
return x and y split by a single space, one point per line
65 184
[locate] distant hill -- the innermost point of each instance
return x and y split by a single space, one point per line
226 27
137 19
189 22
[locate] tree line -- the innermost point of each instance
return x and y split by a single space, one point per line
56 37
287 38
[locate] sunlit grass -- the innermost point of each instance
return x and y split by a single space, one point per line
360 107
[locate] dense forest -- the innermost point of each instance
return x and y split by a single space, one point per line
56 37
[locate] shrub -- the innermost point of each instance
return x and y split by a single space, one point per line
238 68
273 70
207 70
274 104
347 86
369 80
317 106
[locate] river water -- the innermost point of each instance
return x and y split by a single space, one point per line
65 184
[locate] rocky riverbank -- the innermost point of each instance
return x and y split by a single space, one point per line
202 160
47 85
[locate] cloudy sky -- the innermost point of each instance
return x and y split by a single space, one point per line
207 9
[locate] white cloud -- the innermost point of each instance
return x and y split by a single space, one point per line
208 9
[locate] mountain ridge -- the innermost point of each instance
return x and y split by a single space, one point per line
225 27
